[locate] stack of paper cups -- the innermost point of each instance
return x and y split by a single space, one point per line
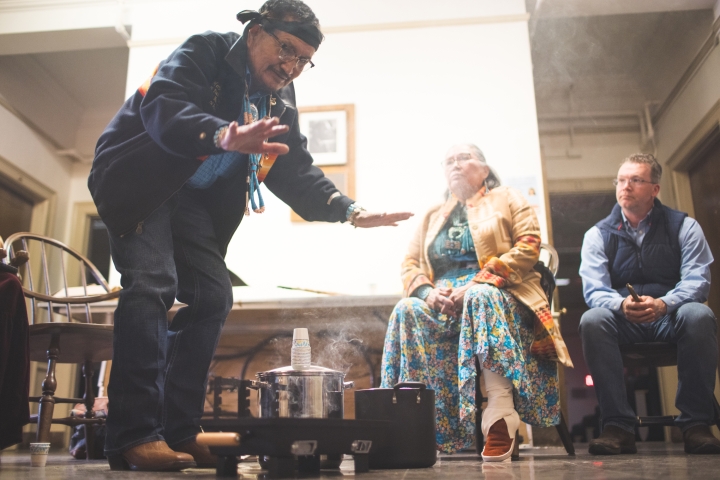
300 352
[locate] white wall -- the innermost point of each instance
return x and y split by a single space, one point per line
32 16
695 101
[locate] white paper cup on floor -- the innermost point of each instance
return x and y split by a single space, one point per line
39 454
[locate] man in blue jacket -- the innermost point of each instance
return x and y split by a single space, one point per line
173 175
663 254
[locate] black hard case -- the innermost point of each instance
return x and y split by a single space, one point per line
410 406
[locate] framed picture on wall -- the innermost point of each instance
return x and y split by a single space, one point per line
327 130
330 130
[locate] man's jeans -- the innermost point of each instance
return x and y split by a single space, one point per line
692 327
159 373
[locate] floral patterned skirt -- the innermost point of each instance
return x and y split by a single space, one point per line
423 345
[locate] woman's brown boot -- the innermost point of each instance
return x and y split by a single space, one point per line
498 444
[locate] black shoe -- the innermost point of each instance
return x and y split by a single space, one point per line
700 440
613 441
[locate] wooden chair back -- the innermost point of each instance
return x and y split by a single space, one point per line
60 283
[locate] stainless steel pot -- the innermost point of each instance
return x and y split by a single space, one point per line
312 392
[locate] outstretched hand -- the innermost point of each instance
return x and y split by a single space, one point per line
370 219
251 138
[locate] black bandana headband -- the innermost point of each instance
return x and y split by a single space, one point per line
309 34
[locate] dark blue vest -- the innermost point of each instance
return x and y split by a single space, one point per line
653 269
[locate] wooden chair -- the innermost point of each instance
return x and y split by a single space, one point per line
656 354
550 259
70 322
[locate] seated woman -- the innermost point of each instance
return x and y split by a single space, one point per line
471 290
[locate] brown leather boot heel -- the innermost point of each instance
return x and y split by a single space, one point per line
201 454
151 456
498 444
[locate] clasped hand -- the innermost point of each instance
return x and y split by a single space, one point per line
647 310
448 300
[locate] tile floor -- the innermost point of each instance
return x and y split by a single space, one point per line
654 461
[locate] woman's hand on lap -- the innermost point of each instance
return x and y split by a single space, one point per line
439 300
457 297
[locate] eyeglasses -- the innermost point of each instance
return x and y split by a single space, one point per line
635 181
460 158
288 54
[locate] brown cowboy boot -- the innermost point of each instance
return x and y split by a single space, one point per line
200 453
613 441
699 440
151 456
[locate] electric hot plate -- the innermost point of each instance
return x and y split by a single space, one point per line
291 445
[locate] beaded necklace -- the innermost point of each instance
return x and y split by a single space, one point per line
459 237
251 115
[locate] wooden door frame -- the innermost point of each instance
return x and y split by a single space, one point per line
44 198
703 137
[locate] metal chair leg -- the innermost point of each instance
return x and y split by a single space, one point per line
479 438
49 385
89 401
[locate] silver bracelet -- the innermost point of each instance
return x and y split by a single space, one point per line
219 134
353 212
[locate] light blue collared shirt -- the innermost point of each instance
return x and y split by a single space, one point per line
694 284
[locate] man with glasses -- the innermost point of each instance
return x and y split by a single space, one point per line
174 173
663 254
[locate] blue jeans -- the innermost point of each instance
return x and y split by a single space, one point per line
159 371
692 327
